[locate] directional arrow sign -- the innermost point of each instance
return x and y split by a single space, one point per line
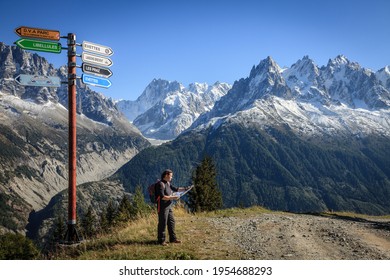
96 48
39 33
96 81
38 81
97 60
36 45
95 70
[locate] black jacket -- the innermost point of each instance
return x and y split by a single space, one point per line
164 188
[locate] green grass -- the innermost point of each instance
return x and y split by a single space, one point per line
137 240
201 240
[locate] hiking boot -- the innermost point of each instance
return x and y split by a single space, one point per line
176 241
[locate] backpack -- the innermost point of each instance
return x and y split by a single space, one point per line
152 191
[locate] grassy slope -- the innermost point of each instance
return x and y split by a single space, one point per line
137 240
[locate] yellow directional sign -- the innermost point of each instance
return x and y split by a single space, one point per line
39 33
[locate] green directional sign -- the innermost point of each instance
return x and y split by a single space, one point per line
36 45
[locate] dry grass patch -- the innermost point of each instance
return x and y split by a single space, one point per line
137 240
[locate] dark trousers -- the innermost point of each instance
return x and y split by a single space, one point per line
165 218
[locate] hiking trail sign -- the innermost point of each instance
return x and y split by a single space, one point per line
37 45
97 60
38 81
38 33
96 81
96 48
96 70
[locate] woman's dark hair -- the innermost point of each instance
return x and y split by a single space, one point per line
167 171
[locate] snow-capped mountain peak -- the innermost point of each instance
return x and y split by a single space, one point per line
165 109
339 83
265 66
340 64
305 67
339 60
383 75
341 95
198 88
156 91
302 78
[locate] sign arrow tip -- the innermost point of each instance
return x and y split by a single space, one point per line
18 31
17 79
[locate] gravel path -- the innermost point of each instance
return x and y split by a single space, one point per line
281 236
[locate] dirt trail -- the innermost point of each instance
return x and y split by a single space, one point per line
281 236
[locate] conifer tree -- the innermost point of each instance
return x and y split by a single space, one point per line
125 210
103 224
17 247
205 196
141 208
111 212
88 223
59 229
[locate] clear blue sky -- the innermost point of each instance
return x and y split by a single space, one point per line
208 41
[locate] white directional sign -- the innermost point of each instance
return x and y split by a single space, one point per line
38 81
97 60
96 48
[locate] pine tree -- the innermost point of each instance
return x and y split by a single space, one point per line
111 212
88 223
17 247
103 223
205 196
59 229
125 210
141 208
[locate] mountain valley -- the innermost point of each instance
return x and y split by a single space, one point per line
299 139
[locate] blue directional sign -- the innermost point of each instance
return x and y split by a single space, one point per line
96 81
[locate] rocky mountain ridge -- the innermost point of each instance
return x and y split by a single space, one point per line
165 109
308 98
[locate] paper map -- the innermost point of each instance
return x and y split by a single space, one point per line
180 194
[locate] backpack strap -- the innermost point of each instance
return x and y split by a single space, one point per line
159 198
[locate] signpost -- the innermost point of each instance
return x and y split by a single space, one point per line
39 81
95 70
38 33
71 235
96 81
97 60
96 48
36 45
